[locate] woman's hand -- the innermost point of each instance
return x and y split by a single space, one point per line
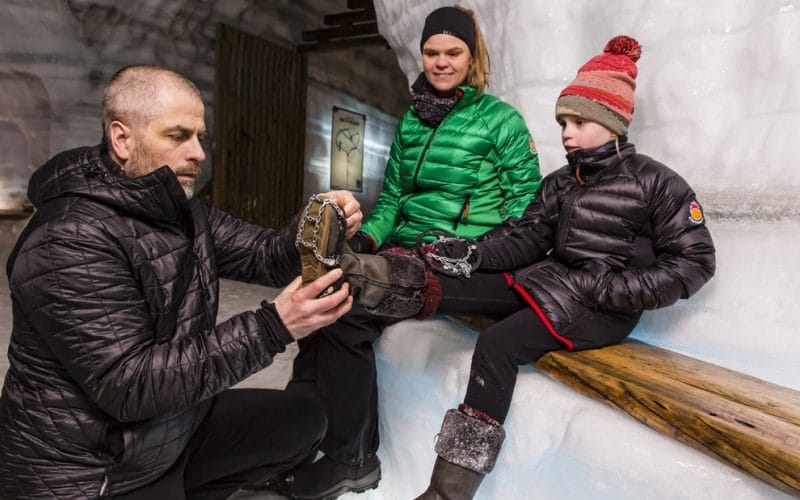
351 208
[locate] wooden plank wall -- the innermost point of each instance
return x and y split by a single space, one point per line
259 128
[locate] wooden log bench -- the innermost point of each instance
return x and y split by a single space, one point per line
741 420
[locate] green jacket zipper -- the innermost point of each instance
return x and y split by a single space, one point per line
421 159
414 178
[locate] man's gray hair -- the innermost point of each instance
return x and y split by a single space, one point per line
131 96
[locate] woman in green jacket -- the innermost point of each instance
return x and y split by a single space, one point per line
463 162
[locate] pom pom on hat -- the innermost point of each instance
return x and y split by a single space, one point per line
603 89
624 45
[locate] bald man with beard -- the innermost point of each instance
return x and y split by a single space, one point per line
119 379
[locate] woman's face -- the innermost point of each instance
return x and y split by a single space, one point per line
445 60
580 133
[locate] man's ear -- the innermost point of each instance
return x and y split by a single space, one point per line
121 140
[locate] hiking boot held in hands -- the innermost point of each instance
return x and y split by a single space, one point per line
386 284
389 284
320 236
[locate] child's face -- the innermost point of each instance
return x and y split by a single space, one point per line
580 133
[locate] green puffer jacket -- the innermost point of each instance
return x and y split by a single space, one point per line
466 176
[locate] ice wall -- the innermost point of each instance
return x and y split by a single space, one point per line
718 95
56 56
718 100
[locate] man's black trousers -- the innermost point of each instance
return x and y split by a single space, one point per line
247 436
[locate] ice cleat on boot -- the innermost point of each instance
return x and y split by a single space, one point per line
320 237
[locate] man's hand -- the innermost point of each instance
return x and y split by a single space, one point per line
303 313
351 208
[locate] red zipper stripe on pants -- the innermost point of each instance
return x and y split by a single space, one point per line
527 297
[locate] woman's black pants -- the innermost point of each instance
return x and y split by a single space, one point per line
336 365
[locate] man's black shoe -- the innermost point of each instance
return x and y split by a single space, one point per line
277 484
326 479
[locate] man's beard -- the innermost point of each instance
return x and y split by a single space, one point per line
142 162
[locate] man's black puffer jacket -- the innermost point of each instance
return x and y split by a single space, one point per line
114 355
611 234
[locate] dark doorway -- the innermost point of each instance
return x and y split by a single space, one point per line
259 128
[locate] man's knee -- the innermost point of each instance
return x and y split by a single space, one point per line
310 422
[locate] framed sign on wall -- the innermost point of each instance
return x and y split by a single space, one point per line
347 149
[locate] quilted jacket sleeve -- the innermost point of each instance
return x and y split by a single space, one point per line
685 255
517 163
78 289
250 253
530 240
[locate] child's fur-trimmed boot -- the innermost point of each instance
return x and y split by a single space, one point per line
467 447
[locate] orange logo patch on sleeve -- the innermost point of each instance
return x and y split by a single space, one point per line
532 145
695 213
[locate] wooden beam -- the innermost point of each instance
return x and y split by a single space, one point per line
350 31
340 44
21 213
744 421
345 18
360 4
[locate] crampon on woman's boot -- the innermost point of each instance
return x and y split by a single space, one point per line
320 236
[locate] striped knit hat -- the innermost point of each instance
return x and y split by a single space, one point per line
603 90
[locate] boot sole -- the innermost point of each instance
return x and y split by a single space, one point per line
366 482
328 222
